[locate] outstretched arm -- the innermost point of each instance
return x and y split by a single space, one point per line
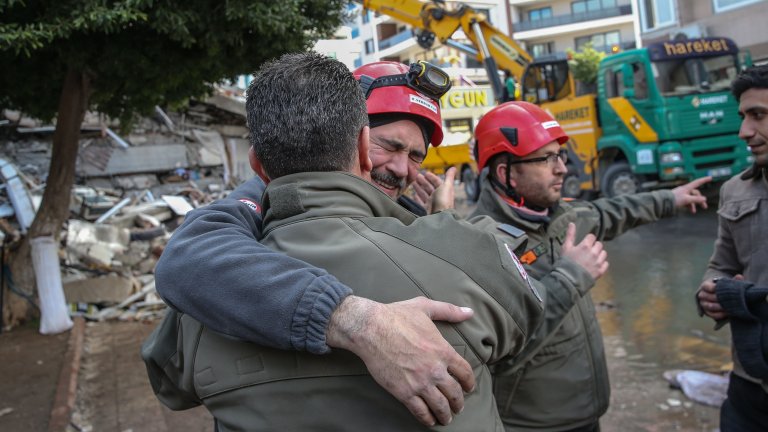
688 195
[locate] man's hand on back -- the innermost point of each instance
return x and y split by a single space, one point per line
405 353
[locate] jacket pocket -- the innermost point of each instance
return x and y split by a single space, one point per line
743 221
737 210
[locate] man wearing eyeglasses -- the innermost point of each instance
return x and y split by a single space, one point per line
560 382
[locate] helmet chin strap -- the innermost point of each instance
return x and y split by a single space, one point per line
510 191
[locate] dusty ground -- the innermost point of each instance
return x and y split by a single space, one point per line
29 370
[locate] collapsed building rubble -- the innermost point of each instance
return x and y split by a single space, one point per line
130 194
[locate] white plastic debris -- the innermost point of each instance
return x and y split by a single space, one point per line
702 387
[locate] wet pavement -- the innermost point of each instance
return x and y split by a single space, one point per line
654 273
650 325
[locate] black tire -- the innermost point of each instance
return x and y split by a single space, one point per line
618 179
571 184
469 178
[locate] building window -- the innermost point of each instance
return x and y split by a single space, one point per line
640 78
539 14
540 49
369 48
366 16
600 41
458 125
724 5
657 13
583 6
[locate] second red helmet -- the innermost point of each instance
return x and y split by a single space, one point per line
533 128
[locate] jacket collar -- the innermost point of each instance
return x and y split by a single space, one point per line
303 196
490 203
754 173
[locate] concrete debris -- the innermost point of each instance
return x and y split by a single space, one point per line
178 204
132 190
111 289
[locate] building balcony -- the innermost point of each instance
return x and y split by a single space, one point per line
573 18
396 39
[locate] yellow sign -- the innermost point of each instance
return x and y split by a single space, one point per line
466 98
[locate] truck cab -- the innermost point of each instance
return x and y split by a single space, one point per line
667 115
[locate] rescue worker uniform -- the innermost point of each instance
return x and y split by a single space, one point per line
344 224
560 381
741 248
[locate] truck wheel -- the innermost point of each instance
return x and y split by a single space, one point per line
468 177
618 179
571 184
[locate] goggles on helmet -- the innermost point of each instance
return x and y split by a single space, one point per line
429 80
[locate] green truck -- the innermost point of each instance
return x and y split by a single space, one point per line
663 115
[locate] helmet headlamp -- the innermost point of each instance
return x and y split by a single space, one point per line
425 78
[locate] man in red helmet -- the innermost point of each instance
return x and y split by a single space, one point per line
214 261
404 120
560 382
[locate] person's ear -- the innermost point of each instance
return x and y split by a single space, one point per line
256 165
501 174
363 148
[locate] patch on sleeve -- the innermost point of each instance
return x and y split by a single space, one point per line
523 273
253 205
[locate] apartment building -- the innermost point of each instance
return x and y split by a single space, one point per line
553 27
743 21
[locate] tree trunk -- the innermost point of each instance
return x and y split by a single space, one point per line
54 208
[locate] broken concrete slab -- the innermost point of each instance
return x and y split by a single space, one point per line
212 151
178 204
238 169
133 160
110 289
234 131
83 236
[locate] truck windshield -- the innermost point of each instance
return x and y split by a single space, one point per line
694 75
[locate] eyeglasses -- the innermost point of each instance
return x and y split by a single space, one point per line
423 77
550 159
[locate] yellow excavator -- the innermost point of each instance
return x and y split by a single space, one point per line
432 20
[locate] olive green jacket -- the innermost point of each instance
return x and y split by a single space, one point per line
341 223
741 246
560 381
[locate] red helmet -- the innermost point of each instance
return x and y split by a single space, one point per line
399 98
519 128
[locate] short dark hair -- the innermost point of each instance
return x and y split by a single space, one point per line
305 113
754 77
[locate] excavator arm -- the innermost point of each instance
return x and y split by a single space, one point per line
489 45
